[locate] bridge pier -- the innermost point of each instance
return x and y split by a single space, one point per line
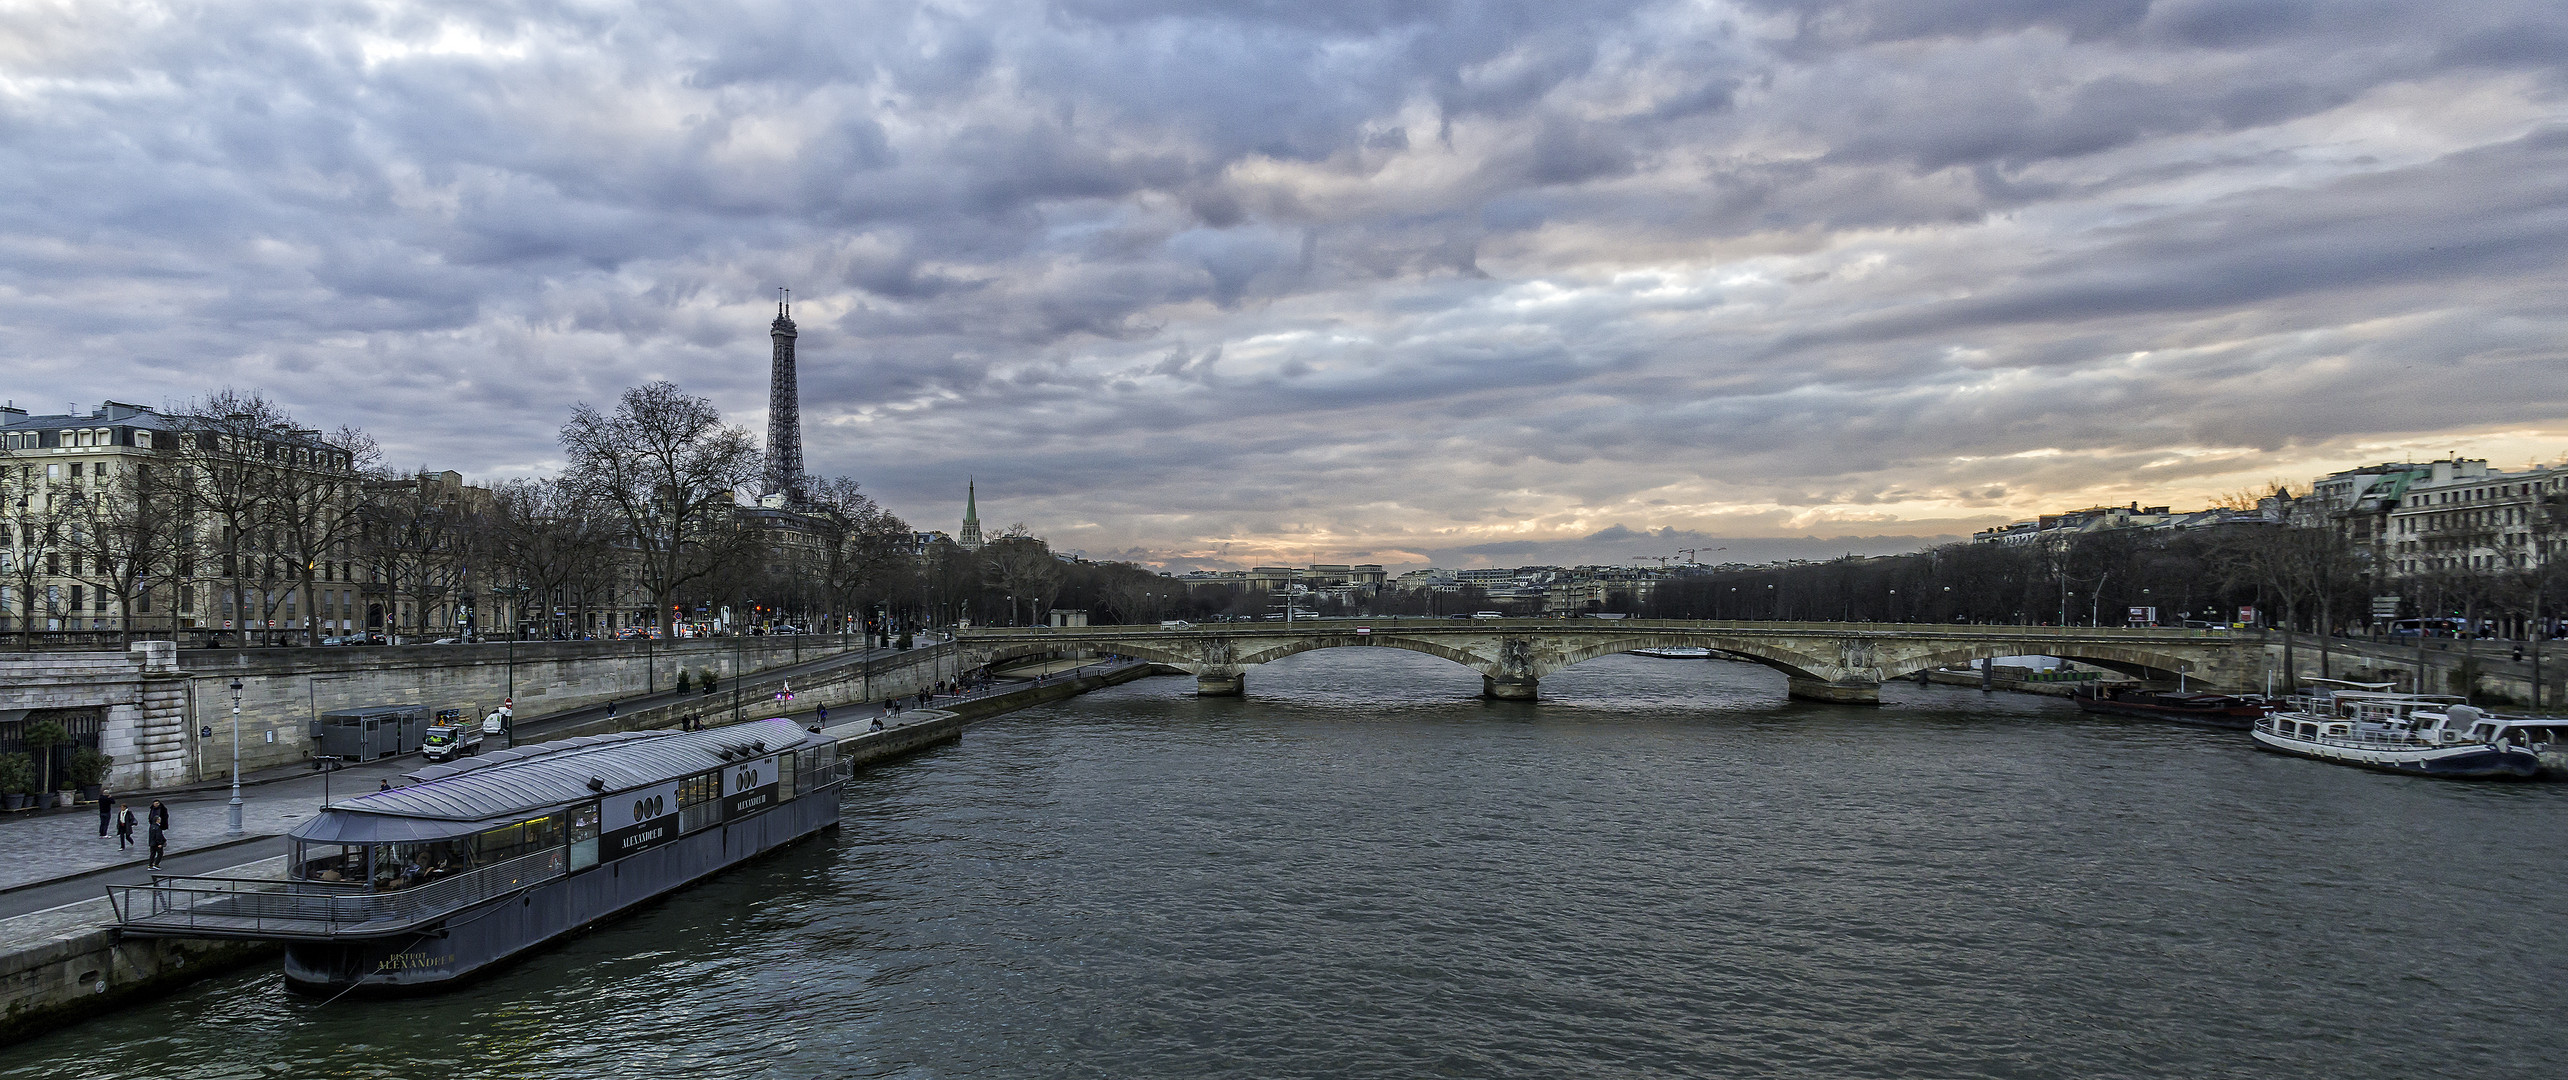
1231 685
1841 692
1518 688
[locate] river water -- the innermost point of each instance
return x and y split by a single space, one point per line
1664 869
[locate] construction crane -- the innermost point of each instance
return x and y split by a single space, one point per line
1689 553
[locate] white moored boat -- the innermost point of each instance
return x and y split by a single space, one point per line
1675 652
2427 734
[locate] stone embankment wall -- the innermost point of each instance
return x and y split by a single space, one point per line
899 675
159 702
60 965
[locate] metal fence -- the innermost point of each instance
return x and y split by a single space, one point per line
286 908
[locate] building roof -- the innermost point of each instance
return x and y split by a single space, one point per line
465 797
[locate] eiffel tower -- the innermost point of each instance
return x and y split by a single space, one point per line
784 411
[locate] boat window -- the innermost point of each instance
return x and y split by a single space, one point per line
403 866
330 862
584 826
785 786
699 801
523 838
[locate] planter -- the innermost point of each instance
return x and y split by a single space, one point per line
13 801
62 798
90 792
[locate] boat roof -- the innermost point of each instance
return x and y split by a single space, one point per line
451 800
2422 699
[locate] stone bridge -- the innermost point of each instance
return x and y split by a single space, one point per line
1840 662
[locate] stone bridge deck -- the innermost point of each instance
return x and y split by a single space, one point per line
1825 661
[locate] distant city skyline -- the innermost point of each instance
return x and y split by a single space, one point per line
1394 284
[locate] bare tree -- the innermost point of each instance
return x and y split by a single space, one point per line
867 544
1025 565
417 542
667 466
227 444
552 541
123 538
315 495
33 530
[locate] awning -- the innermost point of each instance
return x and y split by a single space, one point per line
341 827
7 715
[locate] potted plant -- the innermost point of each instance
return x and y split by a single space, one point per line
89 770
708 680
17 778
42 736
684 684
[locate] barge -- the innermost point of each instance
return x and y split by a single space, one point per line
2366 725
2182 706
421 887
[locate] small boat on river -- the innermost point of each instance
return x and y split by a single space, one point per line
474 863
1675 652
2367 725
2182 706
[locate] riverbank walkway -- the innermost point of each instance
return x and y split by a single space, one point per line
56 858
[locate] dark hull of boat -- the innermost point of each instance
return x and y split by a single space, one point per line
477 940
2235 718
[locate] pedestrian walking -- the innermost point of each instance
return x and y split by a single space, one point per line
610 710
106 812
125 828
158 815
159 836
824 716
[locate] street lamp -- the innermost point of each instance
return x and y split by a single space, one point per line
233 826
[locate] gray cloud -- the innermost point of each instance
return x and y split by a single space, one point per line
1391 279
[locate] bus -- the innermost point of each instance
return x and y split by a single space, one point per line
2442 627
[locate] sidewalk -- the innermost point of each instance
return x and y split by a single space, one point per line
63 843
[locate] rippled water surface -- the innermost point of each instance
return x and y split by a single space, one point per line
1665 869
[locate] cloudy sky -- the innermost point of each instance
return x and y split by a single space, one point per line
1372 280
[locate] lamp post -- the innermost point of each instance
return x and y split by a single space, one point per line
233 823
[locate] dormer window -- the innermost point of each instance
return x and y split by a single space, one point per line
143 439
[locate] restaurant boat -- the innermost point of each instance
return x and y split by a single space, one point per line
422 886
2182 706
2425 734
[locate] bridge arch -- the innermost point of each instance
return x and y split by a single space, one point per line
1481 664
992 655
2140 663
1792 664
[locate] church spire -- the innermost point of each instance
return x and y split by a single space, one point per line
971 538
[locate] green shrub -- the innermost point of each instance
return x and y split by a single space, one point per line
683 684
89 767
17 774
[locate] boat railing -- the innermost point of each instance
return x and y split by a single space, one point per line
286 908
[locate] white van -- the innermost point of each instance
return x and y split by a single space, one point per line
1489 615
